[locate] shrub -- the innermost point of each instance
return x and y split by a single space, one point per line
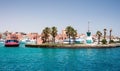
111 41
104 41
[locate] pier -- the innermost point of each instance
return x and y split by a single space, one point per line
72 46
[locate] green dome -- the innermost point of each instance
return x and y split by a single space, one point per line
88 33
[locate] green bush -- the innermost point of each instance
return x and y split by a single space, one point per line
111 41
104 41
117 42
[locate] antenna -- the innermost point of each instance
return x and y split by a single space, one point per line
88 26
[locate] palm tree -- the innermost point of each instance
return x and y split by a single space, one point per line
45 34
54 33
105 33
110 34
99 34
69 32
74 34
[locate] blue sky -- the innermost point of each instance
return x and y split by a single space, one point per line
35 15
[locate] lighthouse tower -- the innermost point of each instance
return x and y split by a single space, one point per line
89 37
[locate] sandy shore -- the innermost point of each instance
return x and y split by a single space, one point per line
71 46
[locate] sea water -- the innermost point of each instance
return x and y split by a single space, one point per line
49 59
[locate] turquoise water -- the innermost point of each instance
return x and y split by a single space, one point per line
48 59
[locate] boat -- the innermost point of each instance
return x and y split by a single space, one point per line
2 40
28 41
79 40
11 43
66 41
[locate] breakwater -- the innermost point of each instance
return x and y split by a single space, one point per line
72 46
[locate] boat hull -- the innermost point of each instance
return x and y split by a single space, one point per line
12 45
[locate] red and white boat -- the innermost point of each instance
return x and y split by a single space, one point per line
11 43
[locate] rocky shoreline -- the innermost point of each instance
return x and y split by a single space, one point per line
71 46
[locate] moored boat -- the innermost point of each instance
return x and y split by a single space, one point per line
2 40
11 43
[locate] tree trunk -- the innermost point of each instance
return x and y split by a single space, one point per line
98 39
69 39
54 40
104 35
74 40
110 38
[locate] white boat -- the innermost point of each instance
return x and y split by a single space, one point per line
28 41
2 40
80 41
67 41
